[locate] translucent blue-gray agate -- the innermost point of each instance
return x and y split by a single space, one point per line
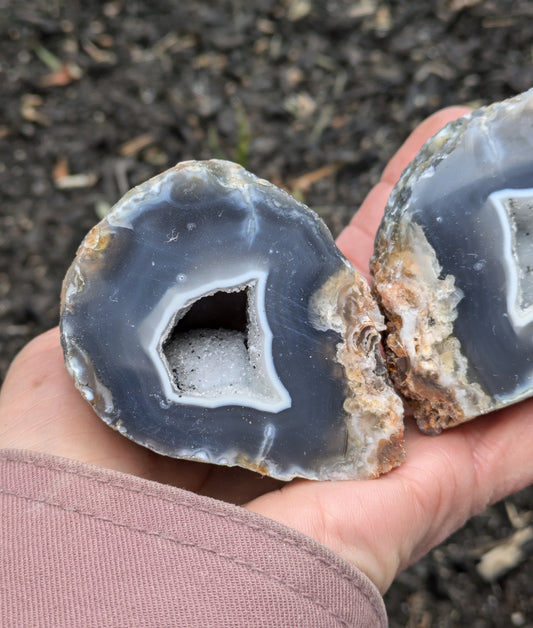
453 268
211 317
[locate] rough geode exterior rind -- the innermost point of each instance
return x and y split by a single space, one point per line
203 227
450 267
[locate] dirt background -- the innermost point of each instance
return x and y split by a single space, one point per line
95 97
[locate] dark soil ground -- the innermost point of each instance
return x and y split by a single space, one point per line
315 96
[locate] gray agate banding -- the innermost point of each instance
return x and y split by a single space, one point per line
210 317
453 268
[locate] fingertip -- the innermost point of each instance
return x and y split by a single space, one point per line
357 247
370 213
357 240
417 139
40 344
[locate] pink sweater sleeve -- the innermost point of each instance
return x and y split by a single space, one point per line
83 546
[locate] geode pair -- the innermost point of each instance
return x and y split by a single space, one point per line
211 317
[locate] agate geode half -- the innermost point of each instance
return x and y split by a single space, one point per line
453 268
211 317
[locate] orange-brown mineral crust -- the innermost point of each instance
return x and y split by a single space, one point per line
424 357
391 453
434 407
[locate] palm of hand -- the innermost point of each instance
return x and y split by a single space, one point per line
379 526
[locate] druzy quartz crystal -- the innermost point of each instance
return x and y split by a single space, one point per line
211 317
453 268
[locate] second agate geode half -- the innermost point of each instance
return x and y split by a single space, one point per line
453 268
211 317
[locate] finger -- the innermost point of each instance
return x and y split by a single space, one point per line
417 139
40 408
459 473
357 239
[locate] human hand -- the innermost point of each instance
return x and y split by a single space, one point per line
384 525
380 525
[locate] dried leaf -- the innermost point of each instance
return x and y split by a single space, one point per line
133 146
61 169
76 181
304 182
361 9
459 5
66 74
298 9
507 555
29 109
99 55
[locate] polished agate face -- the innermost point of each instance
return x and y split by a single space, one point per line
211 317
